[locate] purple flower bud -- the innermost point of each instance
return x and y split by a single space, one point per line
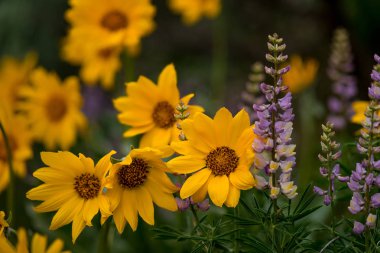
356 203
376 164
358 228
336 170
354 185
284 70
369 179
327 200
182 205
375 77
375 200
377 58
269 70
319 191
371 220
324 172
343 179
337 155
204 205
377 181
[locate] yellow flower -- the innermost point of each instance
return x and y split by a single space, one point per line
150 108
301 74
219 151
39 244
20 143
137 183
3 223
359 108
193 11
13 74
99 60
121 21
74 187
53 109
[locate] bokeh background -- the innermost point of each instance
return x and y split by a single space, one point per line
213 59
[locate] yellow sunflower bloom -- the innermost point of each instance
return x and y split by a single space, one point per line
138 182
219 153
99 60
39 244
301 75
193 11
74 187
13 75
3 223
121 21
149 109
53 108
20 143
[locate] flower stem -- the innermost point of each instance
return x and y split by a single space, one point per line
195 216
129 68
10 190
105 236
236 244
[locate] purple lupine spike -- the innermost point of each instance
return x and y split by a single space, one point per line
274 126
344 85
358 227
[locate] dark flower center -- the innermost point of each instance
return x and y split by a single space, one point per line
106 53
222 161
163 115
114 20
87 186
56 108
133 175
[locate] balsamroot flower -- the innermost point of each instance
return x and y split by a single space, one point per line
193 11
14 74
3 223
38 245
273 148
301 75
53 108
73 187
20 143
344 83
331 169
136 183
149 109
218 152
364 179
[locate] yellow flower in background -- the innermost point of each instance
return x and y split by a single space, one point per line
14 74
219 153
138 182
99 59
3 223
192 11
73 187
121 21
38 245
53 108
20 143
149 109
359 108
301 75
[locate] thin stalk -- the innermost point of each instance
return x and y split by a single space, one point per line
237 233
104 240
10 189
195 216
129 68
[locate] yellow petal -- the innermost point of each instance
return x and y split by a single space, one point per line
55 247
167 83
66 214
156 137
194 182
186 164
162 199
119 219
22 241
242 179
233 196
90 209
239 123
138 130
200 195
104 164
38 243
218 188
145 205
65 161
222 124
77 227
130 207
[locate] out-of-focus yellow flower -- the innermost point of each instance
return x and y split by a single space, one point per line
100 30
73 187
38 245
20 143
13 74
53 108
359 108
3 223
149 109
138 182
192 11
219 153
301 74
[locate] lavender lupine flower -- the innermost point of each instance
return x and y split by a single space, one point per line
344 86
330 168
275 154
252 93
364 180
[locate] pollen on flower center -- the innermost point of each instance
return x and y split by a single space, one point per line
56 108
133 175
87 185
114 20
222 161
163 115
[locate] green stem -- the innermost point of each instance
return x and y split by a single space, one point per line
129 68
10 189
195 216
105 236
219 57
237 234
